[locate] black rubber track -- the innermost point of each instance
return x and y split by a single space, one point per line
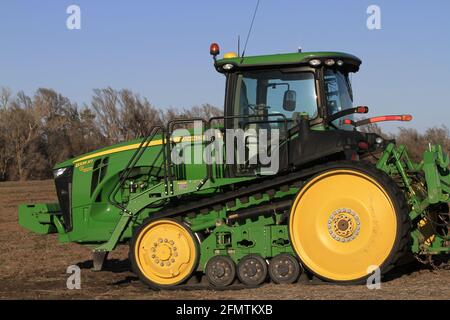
401 247
402 244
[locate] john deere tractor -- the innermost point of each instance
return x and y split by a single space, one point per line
339 203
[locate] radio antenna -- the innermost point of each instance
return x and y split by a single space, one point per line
239 45
251 27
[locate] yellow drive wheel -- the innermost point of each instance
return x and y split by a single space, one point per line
164 253
347 221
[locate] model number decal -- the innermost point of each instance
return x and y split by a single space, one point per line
82 165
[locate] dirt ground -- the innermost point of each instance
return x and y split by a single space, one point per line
34 267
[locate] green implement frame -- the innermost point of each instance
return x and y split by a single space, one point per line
427 186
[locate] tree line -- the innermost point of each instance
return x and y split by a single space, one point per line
38 131
415 141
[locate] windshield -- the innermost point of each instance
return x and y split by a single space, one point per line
275 92
338 93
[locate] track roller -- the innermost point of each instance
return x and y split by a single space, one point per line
252 270
284 269
220 271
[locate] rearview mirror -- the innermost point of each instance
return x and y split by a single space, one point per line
289 100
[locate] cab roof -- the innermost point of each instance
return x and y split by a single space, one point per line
351 62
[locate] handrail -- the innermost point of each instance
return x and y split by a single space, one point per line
132 163
170 125
166 142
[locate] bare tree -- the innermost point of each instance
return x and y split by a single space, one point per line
6 154
205 111
438 135
123 115
5 96
413 140
137 115
21 132
105 104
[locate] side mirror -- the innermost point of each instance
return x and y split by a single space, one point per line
289 100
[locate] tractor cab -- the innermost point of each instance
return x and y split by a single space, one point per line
306 97
289 86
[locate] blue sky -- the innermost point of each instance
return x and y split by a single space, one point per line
160 49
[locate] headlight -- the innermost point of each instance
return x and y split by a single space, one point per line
330 62
59 172
228 67
315 62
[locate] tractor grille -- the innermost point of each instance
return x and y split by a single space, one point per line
63 184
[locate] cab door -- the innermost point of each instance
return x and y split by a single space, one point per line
264 108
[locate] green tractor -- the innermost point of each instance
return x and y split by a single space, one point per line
339 203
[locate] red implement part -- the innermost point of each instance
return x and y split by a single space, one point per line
404 117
